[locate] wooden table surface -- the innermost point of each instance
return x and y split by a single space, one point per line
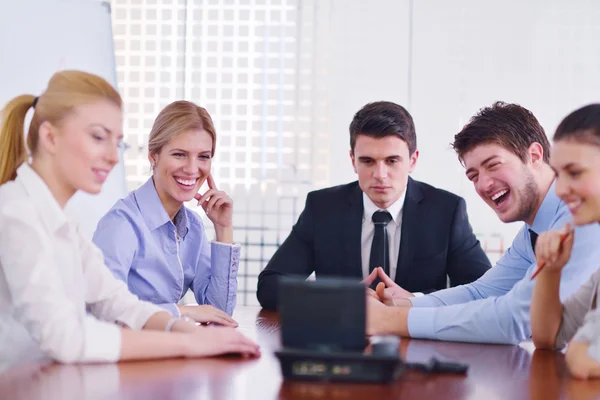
496 372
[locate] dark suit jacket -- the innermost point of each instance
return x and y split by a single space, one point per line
436 241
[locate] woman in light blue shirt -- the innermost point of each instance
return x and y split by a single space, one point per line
155 244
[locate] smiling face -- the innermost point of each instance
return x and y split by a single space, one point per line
504 182
577 167
382 165
181 167
84 145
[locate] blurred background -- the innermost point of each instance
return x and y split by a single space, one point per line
282 80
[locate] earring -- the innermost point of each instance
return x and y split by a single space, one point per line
152 164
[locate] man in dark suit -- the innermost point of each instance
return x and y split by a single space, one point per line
417 234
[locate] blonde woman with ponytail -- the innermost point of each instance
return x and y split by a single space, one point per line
57 298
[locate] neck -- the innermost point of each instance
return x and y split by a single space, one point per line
60 190
544 182
170 205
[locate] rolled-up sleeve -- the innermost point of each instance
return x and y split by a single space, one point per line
61 328
575 309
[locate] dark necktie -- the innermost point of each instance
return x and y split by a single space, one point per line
533 236
380 249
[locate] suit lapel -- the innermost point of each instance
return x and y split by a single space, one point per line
410 220
352 228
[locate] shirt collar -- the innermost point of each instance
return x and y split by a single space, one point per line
52 215
154 212
395 209
547 211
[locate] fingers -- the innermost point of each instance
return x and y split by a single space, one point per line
385 278
371 278
211 182
202 199
372 293
380 289
217 200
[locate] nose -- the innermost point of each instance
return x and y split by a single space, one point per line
112 155
190 166
561 186
484 183
380 171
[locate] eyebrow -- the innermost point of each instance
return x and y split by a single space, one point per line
185 151
108 131
371 158
487 160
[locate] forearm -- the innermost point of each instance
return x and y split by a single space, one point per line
224 234
546 309
146 345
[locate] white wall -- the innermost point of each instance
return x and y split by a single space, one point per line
465 54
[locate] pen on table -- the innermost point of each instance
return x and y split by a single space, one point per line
563 237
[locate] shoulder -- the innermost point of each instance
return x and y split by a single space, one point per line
15 203
432 193
124 213
334 192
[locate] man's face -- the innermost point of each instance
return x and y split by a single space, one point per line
382 165
503 181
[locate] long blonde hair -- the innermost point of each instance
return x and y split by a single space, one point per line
66 90
178 117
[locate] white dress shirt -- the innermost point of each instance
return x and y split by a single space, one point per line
57 298
393 231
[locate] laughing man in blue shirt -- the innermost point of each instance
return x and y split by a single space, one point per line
505 152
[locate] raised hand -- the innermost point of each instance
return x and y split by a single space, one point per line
217 205
552 250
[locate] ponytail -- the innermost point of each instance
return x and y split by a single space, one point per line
12 136
66 90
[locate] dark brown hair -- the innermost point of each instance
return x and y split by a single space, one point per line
582 125
381 119
509 125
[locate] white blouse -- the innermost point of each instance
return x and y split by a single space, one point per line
57 297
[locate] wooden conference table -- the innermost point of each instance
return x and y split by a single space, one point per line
496 372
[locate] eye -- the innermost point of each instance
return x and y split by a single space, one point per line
367 161
98 136
178 155
472 178
575 174
204 157
392 161
494 165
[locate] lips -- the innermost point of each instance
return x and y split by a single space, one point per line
186 184
499 197
100 174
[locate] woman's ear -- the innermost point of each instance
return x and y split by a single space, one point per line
47 137
152 159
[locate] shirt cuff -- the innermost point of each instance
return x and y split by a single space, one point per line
226 244
418 294
423 301
421 322
171 308
225 259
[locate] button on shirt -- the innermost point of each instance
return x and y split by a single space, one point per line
393 228
495 308
51 277
161 260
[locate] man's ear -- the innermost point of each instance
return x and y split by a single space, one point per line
536 153
353 161
413 161
47 135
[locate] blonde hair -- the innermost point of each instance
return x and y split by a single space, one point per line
66 90
178 117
